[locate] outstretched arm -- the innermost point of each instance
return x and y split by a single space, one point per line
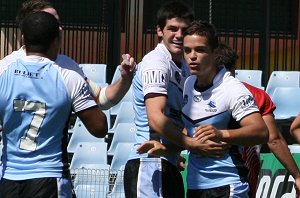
110 95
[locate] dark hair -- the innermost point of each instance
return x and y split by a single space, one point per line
31 6
205 29
225 55
174 9
39 29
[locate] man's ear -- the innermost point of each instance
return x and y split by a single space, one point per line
159 32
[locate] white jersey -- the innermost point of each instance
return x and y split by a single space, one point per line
36 100
157 73
227 99
61 60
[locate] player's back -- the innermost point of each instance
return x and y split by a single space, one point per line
34 107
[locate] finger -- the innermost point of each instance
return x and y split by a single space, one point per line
125 59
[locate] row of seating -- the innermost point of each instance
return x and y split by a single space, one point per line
276 79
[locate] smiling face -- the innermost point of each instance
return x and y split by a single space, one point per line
200 58
172 35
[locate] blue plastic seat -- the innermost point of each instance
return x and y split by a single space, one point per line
89 153
95 72
117 75
79 133
125 132
121 155
282 79
252 77
287 101
125 115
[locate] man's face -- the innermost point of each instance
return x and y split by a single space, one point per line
198 55
172 35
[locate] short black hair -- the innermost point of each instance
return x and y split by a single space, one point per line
174 9
39 31
205 29
225 55
29 7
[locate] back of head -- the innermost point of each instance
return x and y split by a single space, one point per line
225 55
205 29
40 29
31 6
174 9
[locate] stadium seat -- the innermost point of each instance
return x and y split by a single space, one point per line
120 156
127 98
79 133
125 115
95 72
287 101
252 77
282 79
125 132
89 153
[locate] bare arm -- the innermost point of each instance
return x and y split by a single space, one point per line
115 92
94 120
279 147
295 129
253 131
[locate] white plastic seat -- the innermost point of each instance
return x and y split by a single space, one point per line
282 79
121 155
89 153
125 115
252 77
79 133
287 101
125 132
95 72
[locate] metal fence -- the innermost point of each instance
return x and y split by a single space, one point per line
265 33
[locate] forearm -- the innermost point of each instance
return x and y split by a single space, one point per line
115 92
165 128
280 149
244 136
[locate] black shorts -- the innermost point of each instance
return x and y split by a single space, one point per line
39 187
152 177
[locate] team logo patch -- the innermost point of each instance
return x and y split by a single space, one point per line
154 78
211 106
246 101
197 98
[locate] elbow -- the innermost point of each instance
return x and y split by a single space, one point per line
100 130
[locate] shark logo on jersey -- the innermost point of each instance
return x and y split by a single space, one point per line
154 78
177 77
211 106
246 101
185 99
197 98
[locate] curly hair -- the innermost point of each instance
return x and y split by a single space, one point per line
225 55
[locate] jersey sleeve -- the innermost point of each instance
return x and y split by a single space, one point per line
262 99
78 90
154 76
241 102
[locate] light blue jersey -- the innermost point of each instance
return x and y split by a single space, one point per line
36 99
157 73
227 99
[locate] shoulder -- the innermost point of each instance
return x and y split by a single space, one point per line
7 60
68 63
